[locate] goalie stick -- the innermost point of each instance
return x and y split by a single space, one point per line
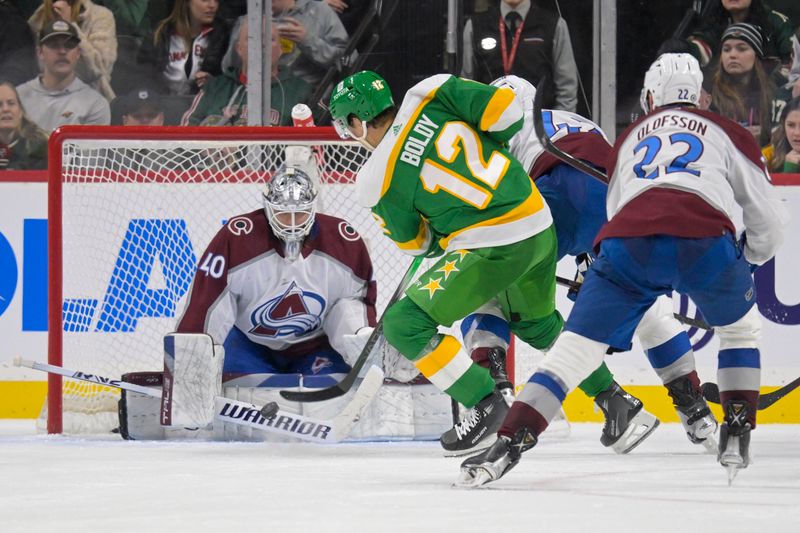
711 393
347 382
249 415
683 319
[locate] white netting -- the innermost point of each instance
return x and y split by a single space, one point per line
138 206
137 213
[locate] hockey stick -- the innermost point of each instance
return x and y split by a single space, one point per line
683 319
552 149
347 382
711 393
247 414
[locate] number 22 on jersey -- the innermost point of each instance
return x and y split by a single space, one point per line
435 177
653 147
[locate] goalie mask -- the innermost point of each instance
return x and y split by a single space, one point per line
289 202
672 79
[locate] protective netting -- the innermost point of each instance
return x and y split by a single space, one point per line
135 216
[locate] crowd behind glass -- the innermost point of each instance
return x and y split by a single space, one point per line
157 62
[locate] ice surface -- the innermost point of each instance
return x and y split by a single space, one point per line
56 483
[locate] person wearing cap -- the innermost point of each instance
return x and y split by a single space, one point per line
142 107
741 89
96 28
57 96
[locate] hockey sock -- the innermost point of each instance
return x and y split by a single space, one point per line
438 357
597 382
451 370
540 333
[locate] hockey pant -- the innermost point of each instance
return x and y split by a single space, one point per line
522 278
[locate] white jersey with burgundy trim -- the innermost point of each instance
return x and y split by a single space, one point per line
243 280
584 139
692 151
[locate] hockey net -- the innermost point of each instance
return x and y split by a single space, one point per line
131 209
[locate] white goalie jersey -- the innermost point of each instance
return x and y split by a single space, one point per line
243 280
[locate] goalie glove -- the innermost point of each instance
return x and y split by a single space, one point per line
583 262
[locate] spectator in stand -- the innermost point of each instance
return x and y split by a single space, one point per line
526 40
186 49
775 27
311 35
97 31
741 90
142 107
23 145
17 50
58 96
784 153
223 102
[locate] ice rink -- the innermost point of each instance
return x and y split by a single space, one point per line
56 483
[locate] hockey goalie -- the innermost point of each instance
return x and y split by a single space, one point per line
283 298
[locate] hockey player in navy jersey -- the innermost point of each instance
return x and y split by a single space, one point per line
578 204
678 174
281 288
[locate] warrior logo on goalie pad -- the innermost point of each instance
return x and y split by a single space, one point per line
295 312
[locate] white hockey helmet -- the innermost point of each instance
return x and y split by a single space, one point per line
290 204
672 79
524 89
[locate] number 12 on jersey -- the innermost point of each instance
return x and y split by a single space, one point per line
435 176
653 146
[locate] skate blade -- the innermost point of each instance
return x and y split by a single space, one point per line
711 446
732 471
472 479
641 426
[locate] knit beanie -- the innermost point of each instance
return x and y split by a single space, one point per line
749 33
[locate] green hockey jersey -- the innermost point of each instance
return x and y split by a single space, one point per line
442 175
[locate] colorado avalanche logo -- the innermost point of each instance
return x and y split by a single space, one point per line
295 312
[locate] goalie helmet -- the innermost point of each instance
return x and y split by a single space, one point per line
363 94
672 79
524 89
290 205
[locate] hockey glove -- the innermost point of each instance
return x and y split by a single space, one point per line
583 262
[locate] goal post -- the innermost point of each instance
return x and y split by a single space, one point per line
131 209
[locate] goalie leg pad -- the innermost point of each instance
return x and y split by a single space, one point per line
192 379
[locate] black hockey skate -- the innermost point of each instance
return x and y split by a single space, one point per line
497 369
695 415
477 428
492 464
627 423
734 439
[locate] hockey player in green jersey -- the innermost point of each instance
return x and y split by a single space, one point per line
440 181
